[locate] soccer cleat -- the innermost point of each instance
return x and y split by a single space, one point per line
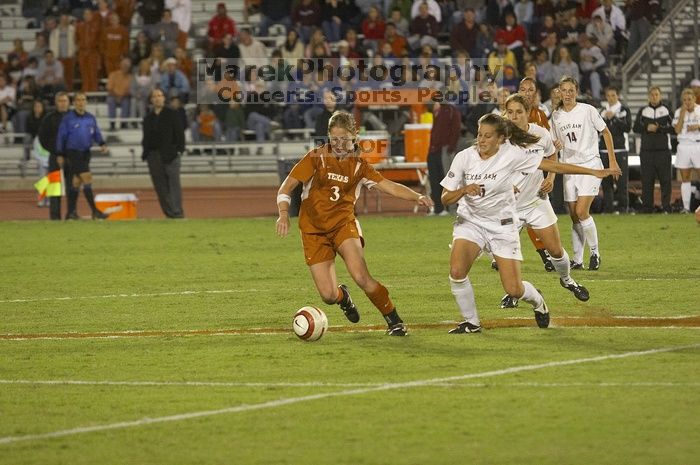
509 301
465 328
594 263
580 292
544 255
575 266
397 329
542 313
548 266
72 216
98 215
348 308
494 265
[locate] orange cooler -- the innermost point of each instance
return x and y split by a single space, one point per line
416 141
374 146
118 206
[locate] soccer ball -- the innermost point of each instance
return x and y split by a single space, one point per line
310 323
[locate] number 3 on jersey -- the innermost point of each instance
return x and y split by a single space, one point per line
336 193
571 136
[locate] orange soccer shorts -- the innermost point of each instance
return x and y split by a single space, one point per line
323 247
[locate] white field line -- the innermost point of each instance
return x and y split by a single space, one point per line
72 382
253 290
344 393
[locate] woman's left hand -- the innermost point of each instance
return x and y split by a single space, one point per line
424 201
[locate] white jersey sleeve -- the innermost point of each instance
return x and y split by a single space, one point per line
596 119
523 162
454 179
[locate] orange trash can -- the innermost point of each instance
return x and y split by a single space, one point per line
118 206
416 141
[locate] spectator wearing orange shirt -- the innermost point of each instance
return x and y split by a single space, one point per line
87 35
103 12
397 42
62 43
119 84
114 44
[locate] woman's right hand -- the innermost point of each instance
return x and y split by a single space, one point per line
473 190
283 224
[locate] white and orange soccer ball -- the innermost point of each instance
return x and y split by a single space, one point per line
310 323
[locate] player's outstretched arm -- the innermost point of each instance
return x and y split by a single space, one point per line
283 200
402 192
565 168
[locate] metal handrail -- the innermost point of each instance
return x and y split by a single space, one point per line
645 49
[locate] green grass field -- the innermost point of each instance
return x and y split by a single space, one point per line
189 355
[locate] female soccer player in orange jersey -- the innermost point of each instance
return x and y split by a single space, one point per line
332 176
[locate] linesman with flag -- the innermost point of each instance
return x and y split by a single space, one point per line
48 132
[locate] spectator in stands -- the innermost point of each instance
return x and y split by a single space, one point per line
547 27
182 13
333 14
602 32
373 28
62 43
114 44
515 38
501 57
141 49
220 25
185 64
252 50
26 94
40 47
207 127
618 118
592 67
259 117
165 32
163 145
330 105
543 8
31 70
424 28
8 99
564 9
613 15
173 82
484 41
18 52
654 123
151 11
34 118
125 10
87 36
103 12
443 141
227 48
13 70
570 36
317 39
119 85
234 121
532 71
564 64
464 33
400 21
157 60
49 76
397 43
179 109
354 43
502 95
306 15
524 11
274 12
641 14
292 48
433 9
142 86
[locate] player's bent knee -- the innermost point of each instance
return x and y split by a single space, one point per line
329 298
514 289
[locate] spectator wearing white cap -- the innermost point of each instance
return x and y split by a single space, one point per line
173 82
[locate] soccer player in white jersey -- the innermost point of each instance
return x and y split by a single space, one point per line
534 209
481 180
686 123
575 131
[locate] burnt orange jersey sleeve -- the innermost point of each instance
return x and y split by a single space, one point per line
368 173
305 168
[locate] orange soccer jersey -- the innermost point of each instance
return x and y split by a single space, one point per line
331 188
538 117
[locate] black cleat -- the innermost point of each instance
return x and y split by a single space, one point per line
548 266
348 308
594 263
494 265
98 215
397 329
575 266
72 216
509 301
465 328
546 260
580 292
542 314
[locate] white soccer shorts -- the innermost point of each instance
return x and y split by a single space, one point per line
688 156
503 242
582 185
540 215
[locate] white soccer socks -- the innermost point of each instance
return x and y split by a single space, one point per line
464 296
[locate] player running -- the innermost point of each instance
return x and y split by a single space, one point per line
575 130
532 202
332 176
481 180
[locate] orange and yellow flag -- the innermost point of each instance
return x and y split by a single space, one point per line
50 185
